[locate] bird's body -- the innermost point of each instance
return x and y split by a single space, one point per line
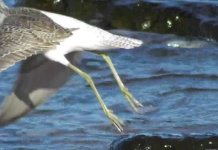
30 31
25 32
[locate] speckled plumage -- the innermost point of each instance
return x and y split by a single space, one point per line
25 32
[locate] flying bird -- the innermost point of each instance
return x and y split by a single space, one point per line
26 32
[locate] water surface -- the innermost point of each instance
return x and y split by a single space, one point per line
174 74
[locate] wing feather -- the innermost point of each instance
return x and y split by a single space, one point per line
26 32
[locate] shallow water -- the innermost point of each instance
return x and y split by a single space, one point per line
174 74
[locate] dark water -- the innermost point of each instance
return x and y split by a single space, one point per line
174 74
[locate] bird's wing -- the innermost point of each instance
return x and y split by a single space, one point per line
28 94
25 32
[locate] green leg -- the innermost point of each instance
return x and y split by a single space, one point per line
130 98
113 118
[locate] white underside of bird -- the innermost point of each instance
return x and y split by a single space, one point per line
21 38
85 37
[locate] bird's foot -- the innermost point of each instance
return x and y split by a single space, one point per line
118 123
134 103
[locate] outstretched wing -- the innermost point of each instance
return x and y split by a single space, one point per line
25 32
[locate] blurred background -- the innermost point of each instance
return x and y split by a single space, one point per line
174 74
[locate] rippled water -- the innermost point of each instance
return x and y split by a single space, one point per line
175 77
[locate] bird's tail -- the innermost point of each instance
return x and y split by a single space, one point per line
100 40
88 37
117 41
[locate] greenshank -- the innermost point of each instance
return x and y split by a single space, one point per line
26 31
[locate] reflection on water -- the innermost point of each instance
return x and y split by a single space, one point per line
175 77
